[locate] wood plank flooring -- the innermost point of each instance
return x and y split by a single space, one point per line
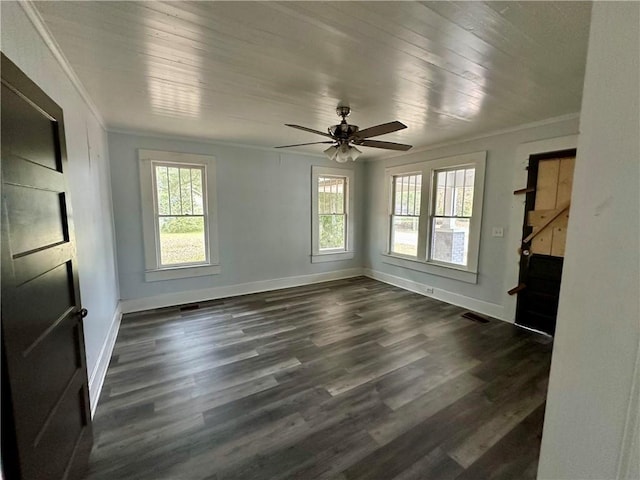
352 379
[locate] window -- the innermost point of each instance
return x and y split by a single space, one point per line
405 215
332 214
435 212
452 210
332 226
178 211
180 221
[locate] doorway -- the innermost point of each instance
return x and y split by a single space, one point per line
546 216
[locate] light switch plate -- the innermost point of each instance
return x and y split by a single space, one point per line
497 232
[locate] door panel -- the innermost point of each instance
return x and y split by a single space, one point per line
550 182
57 348
32 123
28 207
34 321
65 430
45 391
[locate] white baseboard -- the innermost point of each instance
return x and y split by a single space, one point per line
194 296
491 309
96 379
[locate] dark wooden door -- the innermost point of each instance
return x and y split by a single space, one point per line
547 208
46 422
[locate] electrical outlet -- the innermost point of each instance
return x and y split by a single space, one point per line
497 232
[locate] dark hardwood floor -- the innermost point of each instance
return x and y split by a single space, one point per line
352 379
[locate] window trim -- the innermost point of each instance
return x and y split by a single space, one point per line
317 255
154 271
422 262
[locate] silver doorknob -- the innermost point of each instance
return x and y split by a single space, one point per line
83 312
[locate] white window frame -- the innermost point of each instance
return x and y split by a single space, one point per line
422 262
347 253
154 271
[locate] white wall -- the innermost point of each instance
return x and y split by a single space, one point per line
592 408
489 294
89 184
264 222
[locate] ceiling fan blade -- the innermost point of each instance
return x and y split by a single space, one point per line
380 129
388 145
311 130
300 144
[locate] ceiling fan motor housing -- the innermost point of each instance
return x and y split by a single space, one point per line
343 131
344 136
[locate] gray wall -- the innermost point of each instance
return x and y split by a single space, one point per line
592 404
87 175
498 198
264 209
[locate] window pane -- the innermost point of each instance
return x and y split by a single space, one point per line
339 195
454 192
451 178
179 190
469 176
325 206
175 203
450 241
469 179
404 235
182 240
407 189
467 209
196 183
414 198
458 201
332 231
185 191
405 196
396 196
331 195
440 201
162 190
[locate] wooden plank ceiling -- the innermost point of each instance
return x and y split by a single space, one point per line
237 71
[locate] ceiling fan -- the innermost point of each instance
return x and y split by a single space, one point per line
345 137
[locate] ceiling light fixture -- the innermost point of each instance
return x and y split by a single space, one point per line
343 153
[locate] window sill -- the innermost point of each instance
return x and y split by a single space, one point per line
431 268
180 272
331 257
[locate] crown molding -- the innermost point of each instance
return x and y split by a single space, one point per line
494 133
38 22
184 138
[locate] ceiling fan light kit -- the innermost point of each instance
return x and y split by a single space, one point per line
343 154
345 137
